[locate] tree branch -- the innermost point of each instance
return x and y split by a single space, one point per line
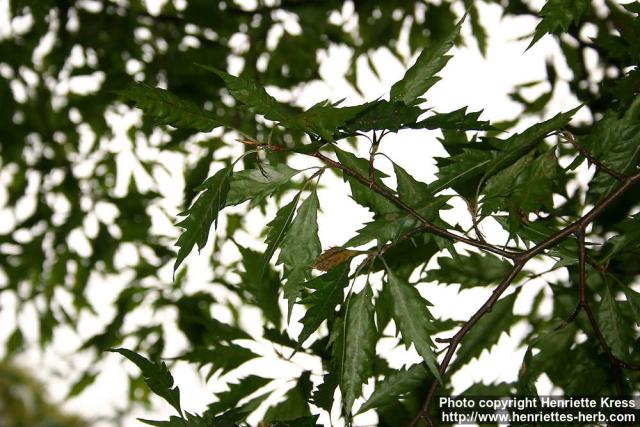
567 136
426 224
576 227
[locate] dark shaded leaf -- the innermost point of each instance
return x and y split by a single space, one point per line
202 214
360 348
413 320
422 75
168 109
395 385
328 294
156 376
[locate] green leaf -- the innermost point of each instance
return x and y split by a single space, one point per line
85 380
517 146
223 358
360 193
328 293
254 96
300 247
612 325
309 421
413 320
278 228
262 283
633 298
616 143
360 348
525 186
410 190
324 119
486 333
202 214
627 241
295 404
422 75
477 29
526 385
475 269
168 109
386 228
469 165
458 120
237 391
395 385
15 342
384 115
156 376
558 15
256 184
190 420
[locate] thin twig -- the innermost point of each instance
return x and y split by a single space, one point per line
427 225
568 137
572 228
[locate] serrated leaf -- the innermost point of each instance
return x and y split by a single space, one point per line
190 420
474 269
309 421
384 115
324 119
461 168
202 214
525 186
168 109
422 75
526 385
278 228
486 333
237 391
328 294
517 146
558 15
612 325
410 190
256 184
361 193
633 298
254 96
383 229
395 385
300 247
223 358
156 376
413 320
457 120
479 32
295 404
263 284
360 348
616 143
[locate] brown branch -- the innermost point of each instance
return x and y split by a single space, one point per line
520 259
584 303
372 156
426 224
567 136
454 341
520 262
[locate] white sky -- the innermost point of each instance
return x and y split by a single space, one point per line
469 79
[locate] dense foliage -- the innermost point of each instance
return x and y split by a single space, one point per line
63 161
